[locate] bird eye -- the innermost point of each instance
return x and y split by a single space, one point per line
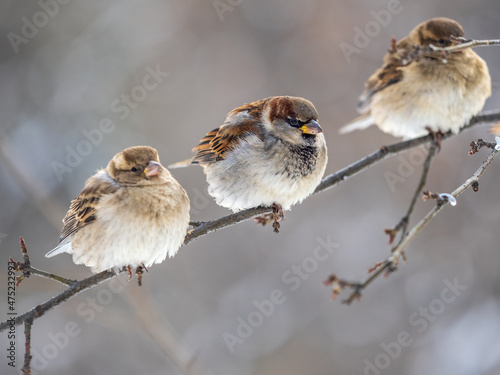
441 41
137 169
293 121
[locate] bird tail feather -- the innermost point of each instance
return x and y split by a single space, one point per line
181 164
359 123
63 247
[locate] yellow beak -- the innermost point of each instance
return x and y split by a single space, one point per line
312 127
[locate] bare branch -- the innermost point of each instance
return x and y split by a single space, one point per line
466 43
475 146
390 264
405 220
207 227
50 276
27 270
400 249
27 347
405 56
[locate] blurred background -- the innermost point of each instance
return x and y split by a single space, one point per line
81 80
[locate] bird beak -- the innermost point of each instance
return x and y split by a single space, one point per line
311 127
153 169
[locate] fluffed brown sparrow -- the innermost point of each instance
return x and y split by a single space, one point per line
270 153
131 214
432 92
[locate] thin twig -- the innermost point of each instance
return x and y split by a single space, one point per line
423 180
356 294
51 276
213 225
405 220
224 222
195 224
438 207
475 146
27 347
466 44
390 264
405 56
27 270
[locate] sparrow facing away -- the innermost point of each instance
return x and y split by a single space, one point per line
133 213
270 153
429 93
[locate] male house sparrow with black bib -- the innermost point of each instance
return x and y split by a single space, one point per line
270 153
432 93
131 214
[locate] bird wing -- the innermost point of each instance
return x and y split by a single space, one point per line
83 208
390 73
387 75
217 143
239 123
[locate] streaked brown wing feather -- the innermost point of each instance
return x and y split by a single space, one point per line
217 143
381 79
82 210
390 73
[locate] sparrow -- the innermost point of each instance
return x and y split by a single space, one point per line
269 153
131 214
431 92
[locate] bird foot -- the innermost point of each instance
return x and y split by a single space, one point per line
139 271
278 215
263 219
437 137
275 216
